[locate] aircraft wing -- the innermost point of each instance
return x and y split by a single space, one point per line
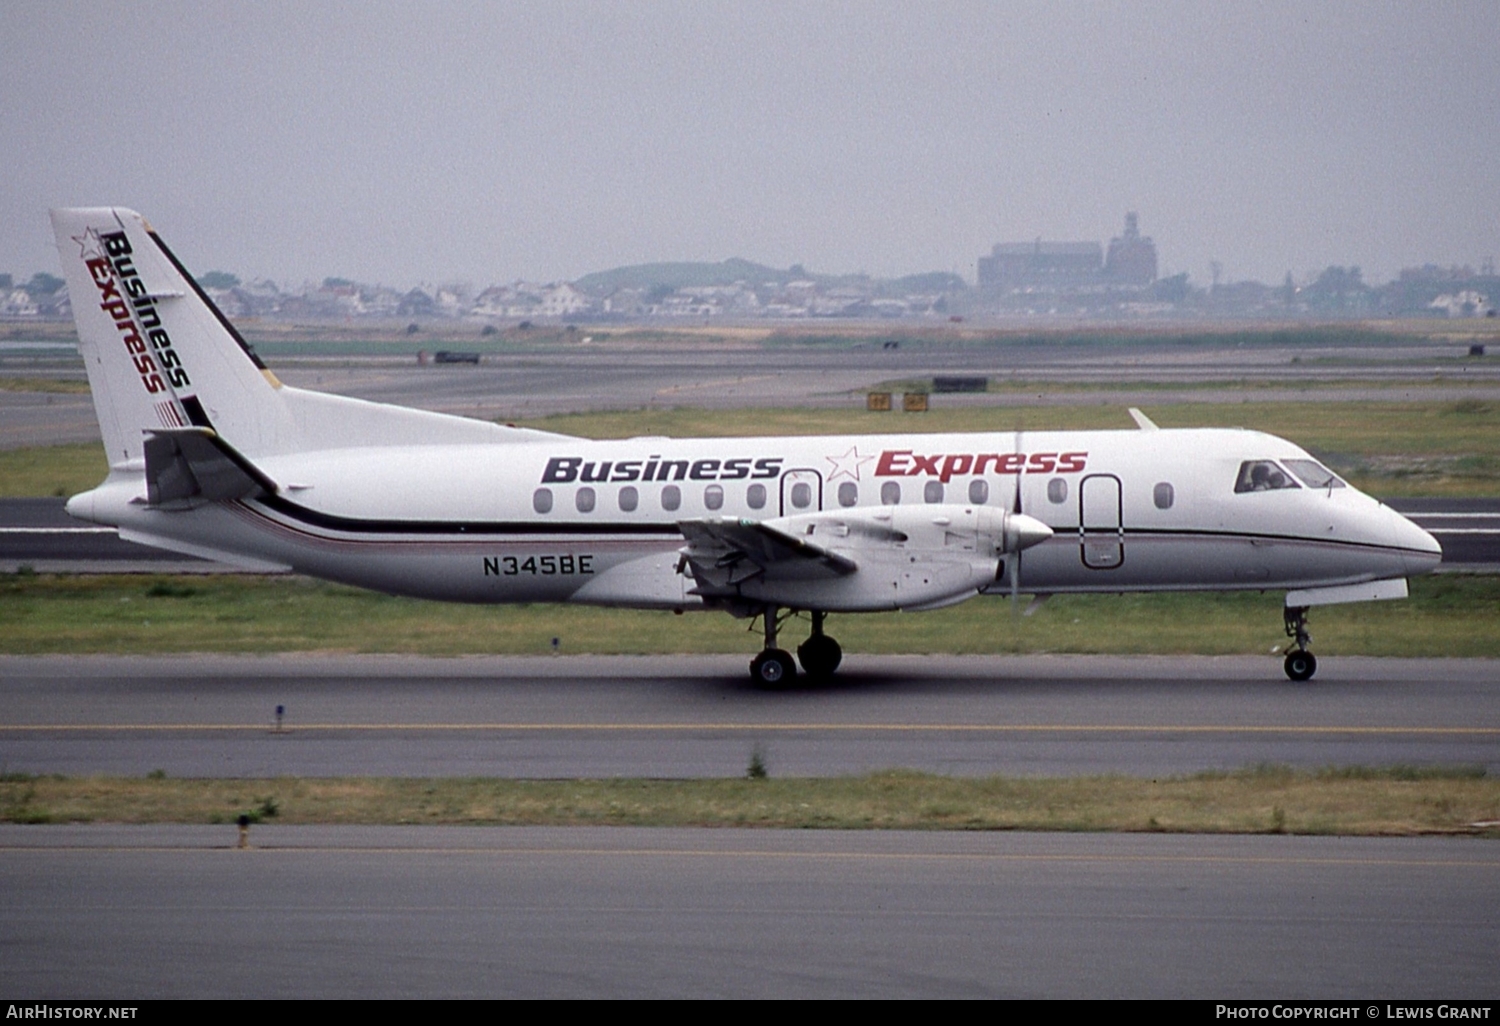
724 552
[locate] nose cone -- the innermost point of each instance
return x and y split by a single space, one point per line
1022 532
1420 551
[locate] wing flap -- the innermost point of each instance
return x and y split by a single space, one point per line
723 553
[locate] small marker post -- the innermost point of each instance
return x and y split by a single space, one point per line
244 823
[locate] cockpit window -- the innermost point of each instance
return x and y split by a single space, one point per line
1313 474
1262 476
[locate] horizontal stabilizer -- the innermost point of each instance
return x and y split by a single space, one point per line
192 465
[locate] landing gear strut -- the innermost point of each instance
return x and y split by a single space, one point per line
1300 664
820 655
773 668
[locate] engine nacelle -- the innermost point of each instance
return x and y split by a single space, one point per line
907 557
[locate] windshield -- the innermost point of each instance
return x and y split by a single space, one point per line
1262 476
1314 474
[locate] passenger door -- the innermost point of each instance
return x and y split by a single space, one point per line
1101 532
801 492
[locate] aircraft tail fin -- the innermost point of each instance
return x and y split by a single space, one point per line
159 354
161 357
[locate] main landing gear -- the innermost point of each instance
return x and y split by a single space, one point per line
820 654
1300 664
774 668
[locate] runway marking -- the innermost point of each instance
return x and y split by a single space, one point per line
980 728
1453 516
57 530
1268 860
690 386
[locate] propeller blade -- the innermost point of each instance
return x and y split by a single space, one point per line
1015 560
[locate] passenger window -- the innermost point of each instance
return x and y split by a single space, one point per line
890 494
1057 491
932 491
1162 496
848 493
755 496
979 491
713 496
1314 474
1262 476
584 499
541 500
629 498
671 497
802 495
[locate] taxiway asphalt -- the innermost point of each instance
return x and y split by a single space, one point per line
406 912
697 716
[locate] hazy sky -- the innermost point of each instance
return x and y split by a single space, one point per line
413 142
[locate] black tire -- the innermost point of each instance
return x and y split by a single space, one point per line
820 656
1300 665
773 668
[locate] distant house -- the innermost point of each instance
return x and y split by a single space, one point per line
18 303
1467 303
416 303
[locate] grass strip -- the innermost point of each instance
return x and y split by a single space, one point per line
1447 615
45 386
51 470
1264 799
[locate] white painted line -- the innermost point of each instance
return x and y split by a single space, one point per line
57 530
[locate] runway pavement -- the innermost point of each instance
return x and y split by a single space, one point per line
399 912
692 716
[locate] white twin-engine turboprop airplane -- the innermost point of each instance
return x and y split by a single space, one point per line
212 456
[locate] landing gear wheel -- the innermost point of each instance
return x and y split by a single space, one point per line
773 668
1300 665
820 655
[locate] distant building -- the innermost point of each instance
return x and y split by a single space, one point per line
1070 265
1012 265
1131 259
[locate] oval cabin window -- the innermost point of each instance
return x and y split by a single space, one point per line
541 500
671 497
848 493
1057 491
629 498
802 495
890 494
755 496
932 491
979 491
713 497
1162 496
584 500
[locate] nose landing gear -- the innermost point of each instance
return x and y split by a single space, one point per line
1300 664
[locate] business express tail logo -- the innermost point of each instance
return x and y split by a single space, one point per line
124 297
